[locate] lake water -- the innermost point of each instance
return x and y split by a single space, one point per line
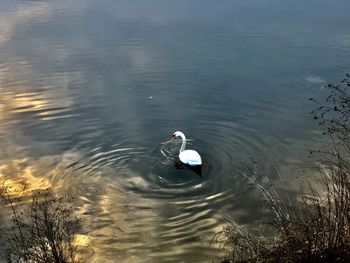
91 92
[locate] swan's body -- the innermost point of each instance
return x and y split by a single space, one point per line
189 157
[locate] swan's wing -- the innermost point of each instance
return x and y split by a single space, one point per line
190 157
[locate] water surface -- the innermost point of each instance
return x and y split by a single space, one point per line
91 92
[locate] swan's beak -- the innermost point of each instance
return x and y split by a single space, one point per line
173 137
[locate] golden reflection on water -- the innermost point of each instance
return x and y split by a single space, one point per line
16 178
46 103
20 181
46 109
106 211
2 112
28 102
119 225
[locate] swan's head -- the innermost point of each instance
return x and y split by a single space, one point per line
176 134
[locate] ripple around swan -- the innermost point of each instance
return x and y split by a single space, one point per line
189 203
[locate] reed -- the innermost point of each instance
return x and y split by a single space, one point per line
42 229
317 228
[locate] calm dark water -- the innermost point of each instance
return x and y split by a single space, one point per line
91 92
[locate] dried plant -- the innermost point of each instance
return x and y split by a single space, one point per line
318 228
42 230
333 114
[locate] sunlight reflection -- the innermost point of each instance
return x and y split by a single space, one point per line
110 219
2 112
81 240
28 102
48 103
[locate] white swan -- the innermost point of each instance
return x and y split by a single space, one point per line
189 157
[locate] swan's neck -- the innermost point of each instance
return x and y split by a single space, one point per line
183 145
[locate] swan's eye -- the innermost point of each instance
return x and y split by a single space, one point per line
174 136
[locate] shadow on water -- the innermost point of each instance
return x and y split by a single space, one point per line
180 165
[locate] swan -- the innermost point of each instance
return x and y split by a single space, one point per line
189 157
